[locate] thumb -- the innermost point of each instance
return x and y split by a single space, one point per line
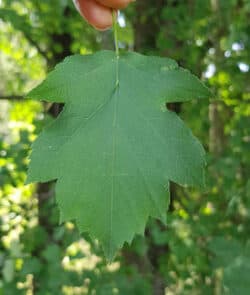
99 16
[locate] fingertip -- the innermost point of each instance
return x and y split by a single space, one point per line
99 16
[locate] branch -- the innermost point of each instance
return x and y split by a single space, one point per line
33 43
11 97
19 22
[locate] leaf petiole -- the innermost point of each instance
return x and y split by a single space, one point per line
114 17
115 32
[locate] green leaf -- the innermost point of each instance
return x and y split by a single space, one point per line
114 148
234 258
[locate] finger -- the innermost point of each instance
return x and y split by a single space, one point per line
96 14
116 4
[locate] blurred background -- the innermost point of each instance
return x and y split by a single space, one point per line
205 247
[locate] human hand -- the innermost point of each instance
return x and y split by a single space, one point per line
99 12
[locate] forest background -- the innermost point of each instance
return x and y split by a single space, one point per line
205 247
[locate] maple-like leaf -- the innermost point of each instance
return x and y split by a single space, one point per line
115 146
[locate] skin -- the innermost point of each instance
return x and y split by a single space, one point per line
99 12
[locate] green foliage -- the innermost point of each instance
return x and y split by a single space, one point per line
235 260
46 24
132 158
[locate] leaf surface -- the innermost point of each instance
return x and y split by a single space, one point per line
114 148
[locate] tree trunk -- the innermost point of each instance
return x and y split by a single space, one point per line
216 131
147 24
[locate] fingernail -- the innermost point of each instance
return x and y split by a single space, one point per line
77 5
